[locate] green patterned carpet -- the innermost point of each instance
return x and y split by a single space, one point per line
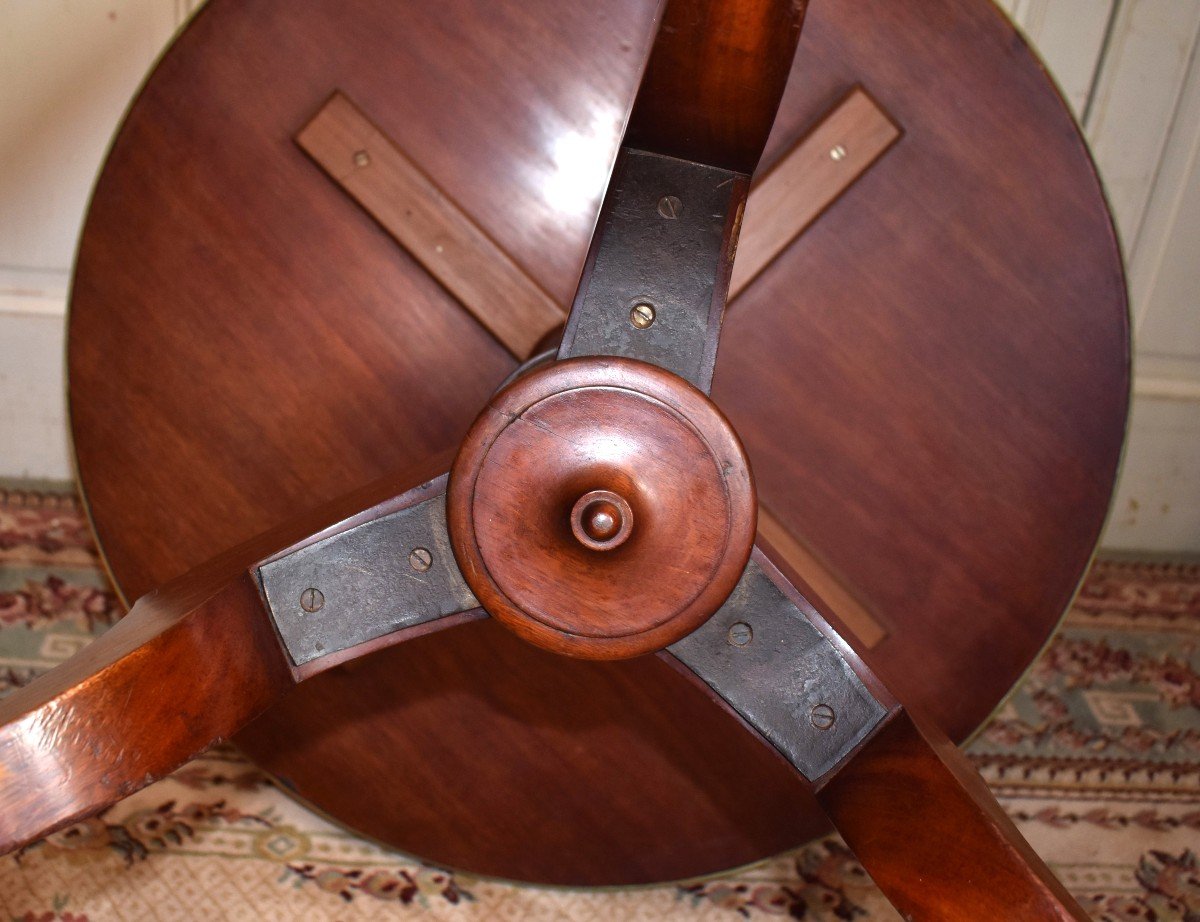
1096 757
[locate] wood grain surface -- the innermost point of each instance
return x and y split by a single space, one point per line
713 82
920 820
137 703
931 383
432 228
852 615
932 836
190 664
809 178
601 424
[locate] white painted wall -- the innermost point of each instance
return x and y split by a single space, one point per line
1143 121
1130 70
68 69
1070 34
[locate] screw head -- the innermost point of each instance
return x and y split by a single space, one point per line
822 716
642 315
362 158
837 152
740 634
312 600
670 207
420 559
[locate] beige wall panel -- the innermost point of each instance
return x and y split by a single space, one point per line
1165 270
33 432
1158 499
1069 35
1136 97
67 71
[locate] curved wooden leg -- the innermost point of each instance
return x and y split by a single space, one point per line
194 661
914 812
186 666
932 836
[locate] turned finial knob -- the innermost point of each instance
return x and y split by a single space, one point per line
601 507
601 520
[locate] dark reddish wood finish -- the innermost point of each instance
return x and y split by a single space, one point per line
540 796
941 363
807 179
918 817
931 835
191 663
430 227
573 428
601 520
931 384
713 83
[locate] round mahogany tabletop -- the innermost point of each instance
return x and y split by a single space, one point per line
931 384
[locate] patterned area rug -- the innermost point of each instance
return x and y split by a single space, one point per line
1096 757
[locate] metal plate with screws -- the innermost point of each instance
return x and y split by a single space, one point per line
760 653
654 266
391 573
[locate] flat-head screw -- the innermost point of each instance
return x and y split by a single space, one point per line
670 207
420 559
312 600
642 315
837 152
362 158
740 634
822 716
